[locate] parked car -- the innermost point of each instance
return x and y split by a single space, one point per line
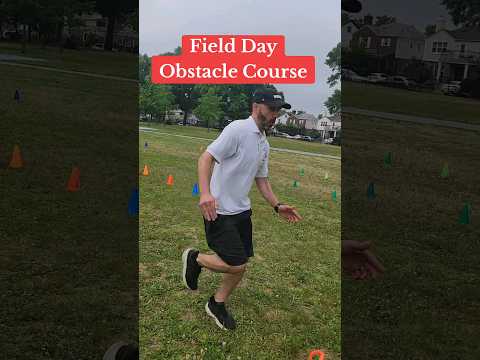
12 35
98 46
307 138
377 78
280 134
352 76
398 81
297 137
451 88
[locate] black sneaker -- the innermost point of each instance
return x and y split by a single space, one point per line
122 351
191 269
218 311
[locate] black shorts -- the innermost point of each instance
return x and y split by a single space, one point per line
230 236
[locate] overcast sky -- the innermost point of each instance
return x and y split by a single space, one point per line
311 27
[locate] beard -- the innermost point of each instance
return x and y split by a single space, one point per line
265 123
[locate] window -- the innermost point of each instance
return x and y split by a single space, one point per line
386 42
462 48
369 42
439 46
411 44
349 29
101 23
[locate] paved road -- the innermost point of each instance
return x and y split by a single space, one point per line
409 118
154 132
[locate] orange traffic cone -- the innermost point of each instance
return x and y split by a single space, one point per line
145 171
74 181
16 162
170 180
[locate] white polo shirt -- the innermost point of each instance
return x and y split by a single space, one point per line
241 153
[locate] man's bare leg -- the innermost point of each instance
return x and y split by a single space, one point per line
215 263
231 278
229 283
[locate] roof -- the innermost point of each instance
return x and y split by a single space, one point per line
305 116
336 118
351 21
465 34
397 30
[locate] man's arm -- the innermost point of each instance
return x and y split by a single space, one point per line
265 189
287 212
207 202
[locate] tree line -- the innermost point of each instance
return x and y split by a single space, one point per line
214 105
49 18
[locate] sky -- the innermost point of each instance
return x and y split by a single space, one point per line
311 27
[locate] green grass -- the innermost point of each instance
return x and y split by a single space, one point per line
433 105
428 299
99 62
289 300
66 258
291 144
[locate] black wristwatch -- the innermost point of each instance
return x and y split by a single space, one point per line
277 206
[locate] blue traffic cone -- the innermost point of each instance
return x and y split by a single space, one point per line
195 190
133 203
371 191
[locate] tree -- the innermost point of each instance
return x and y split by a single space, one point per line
334 102
384 20
209 108
155 100
144 68
112 10
430 29
464 12
334 62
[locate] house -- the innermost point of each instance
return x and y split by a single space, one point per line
327 127
92 29
453 54
392 46
348 29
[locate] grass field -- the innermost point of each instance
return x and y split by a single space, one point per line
433 105
99 62
289 300
68 275
276 142
426 305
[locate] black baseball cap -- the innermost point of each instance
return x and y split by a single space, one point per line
271 98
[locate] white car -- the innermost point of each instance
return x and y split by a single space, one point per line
377 78
348 74
451 88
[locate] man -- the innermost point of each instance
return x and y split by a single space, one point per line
238 156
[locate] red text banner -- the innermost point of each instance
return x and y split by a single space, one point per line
233 59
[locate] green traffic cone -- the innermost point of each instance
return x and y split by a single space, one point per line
296 184
302 172
445 172
466 214
334 196
387 159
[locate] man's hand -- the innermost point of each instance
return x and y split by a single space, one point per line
358 261
208 206
289 213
